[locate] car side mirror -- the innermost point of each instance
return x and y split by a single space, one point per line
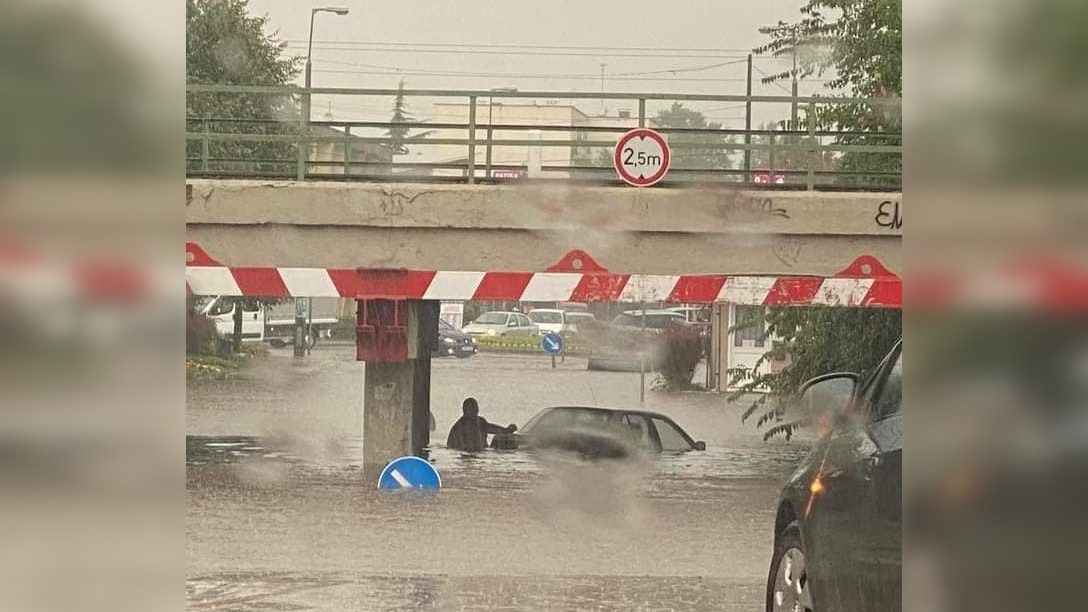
700 446
829 395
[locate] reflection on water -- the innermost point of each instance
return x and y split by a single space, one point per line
280 516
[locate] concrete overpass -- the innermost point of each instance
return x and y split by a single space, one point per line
531 227
418 243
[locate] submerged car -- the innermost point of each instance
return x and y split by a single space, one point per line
601 433
453 342
838 529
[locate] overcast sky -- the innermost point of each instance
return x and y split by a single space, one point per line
557 45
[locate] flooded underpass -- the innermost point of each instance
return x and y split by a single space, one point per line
281 518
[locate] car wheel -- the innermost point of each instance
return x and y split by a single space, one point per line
788 586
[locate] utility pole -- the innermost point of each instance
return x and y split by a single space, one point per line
793 106
748 126
301 305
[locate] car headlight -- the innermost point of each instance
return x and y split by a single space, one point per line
449 341
491 332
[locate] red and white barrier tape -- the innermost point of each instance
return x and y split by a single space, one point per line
577 278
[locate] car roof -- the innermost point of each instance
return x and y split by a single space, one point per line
671 313
505 312
546 310
613 410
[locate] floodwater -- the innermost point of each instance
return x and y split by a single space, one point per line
280 517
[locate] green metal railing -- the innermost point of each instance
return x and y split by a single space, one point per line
239 146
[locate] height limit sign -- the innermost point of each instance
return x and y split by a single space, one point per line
641 157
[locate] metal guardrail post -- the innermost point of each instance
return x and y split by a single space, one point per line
770 157
204 148
471 139
811 119
642 112
303 152
347 150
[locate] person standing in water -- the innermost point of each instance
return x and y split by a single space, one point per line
469 433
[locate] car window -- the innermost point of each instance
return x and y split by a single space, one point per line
890 398
221 307
562 418
492 318
523 321
670 436
638 428
546 317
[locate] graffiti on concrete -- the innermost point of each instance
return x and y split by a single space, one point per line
889 215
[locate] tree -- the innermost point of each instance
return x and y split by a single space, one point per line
398 134
815 341
860 42
226 46
694 151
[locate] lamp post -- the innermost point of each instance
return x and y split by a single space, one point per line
302 305
490 115
303 151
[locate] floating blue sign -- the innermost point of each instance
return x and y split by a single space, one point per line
409 473
552 343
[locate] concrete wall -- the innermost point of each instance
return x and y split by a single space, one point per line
530 227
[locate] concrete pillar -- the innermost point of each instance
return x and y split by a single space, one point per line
719 339
396 396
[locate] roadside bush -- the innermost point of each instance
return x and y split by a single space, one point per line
200 335
680 349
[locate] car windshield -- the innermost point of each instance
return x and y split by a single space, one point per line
544 316
444 324
567 418
492 318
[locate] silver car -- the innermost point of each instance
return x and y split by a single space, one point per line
493 324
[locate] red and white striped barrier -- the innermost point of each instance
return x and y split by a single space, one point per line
576 278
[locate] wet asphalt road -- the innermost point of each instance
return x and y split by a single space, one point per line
280 517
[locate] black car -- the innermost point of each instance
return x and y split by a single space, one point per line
453 342
838 531
601 433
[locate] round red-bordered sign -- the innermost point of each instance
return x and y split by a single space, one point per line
641 157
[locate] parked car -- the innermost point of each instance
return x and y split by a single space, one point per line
601 433
501 324
549 320
574 319
838 531
655 320
453 342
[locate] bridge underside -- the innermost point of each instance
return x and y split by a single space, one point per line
465 242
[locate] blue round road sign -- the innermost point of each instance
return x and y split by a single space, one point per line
409 473
552 343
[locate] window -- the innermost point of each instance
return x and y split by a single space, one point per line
671 438
638 427
221 307
751 326
545 316
890 400
492 318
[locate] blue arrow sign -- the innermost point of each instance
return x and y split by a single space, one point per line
552 343
409 473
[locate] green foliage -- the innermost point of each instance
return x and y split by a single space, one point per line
398 135
702 151
816 341
860 43
226 46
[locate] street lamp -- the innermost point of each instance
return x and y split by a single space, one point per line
303 327
490 106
